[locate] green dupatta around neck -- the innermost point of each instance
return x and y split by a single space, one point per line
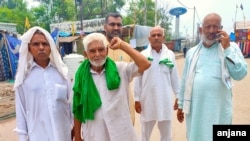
165 61
86 98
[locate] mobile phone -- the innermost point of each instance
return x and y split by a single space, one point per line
217 37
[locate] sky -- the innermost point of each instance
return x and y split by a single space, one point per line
32 3
225 8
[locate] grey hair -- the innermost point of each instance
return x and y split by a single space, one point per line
211 15
94 37
157 27
112 14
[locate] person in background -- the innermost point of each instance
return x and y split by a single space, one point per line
185 51
113 28
42 90
62 52
153 90
206 87
101 111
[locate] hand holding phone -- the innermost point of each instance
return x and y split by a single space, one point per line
223 38
218 37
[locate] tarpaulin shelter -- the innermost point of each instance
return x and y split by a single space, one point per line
9 54
68 43
242 33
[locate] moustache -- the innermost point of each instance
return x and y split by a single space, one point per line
157 41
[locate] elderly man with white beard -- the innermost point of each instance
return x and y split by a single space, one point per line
206 87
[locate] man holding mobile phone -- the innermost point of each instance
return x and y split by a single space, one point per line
206 90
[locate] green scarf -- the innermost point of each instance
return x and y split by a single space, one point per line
166 62
86 98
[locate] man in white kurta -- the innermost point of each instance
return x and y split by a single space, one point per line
100 101
42 106
42 90
206 88
154 89
112 121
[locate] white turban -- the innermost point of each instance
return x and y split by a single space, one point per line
26 59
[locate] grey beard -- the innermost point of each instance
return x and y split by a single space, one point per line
206 41
98 64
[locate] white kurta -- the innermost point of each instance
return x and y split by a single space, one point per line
43 109
155 87
112 120
211 102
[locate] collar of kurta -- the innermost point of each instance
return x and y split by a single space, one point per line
86 98
165 58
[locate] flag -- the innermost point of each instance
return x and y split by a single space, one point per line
27 24
241 7
13 53
73 29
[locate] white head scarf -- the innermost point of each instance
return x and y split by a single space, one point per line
26 59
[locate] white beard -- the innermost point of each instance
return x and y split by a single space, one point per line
207 41
98 64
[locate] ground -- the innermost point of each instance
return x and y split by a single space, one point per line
7 102
241 111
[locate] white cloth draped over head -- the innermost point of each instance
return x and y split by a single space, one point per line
26 59
191 74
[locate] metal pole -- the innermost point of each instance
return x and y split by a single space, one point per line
193 23
155 12
81 14
145 12
76 9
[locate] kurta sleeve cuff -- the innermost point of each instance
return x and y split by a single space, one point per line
233 55
228 50
180 104
136 99
177 96
22 137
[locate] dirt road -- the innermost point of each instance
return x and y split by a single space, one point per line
241 106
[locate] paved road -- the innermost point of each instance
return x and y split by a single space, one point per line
241 110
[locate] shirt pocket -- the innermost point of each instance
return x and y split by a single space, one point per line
61 92
215 69
165 69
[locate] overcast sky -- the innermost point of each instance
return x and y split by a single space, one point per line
31 3
226 8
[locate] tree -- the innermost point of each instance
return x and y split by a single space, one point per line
53 11
165 22
97 8
142 12
14 11
136 13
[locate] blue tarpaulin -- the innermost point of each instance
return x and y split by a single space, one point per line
9 54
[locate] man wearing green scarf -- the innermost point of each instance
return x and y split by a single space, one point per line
100 101
153 90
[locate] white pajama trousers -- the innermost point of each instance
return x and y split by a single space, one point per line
163 126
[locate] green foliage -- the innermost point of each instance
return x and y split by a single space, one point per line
14 16
92 9
15 11
138 14
165 22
